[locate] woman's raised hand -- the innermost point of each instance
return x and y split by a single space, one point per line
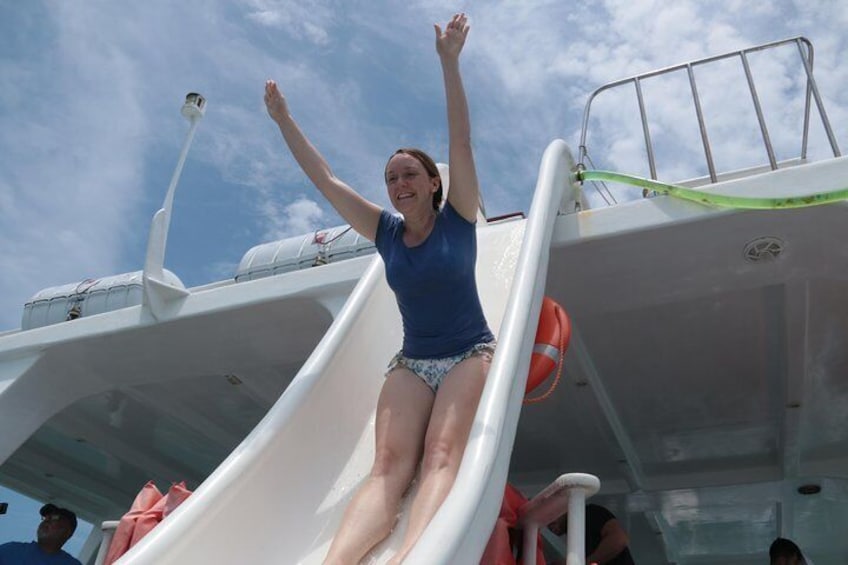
275 102
449 43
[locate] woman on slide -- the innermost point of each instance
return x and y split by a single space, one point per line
433 385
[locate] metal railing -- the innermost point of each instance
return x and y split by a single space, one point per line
805 49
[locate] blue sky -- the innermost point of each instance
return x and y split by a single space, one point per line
90 129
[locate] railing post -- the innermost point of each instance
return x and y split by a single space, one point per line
576 538
568 493
759 110
108 528
811 85
645 130
701 124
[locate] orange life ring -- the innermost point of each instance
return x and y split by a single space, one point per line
552 336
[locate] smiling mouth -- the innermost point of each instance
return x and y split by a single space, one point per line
405 195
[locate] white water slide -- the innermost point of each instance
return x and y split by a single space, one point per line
280 495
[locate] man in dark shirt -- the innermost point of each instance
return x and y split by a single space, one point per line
606 540
56 527
786 552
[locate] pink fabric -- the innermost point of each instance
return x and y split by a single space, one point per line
176 496
151 517
506 538
147 521
121 541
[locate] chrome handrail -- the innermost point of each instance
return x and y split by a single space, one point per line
636 80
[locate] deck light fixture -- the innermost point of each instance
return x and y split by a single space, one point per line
194 107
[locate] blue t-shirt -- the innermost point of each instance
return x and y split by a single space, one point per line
20 553
435 285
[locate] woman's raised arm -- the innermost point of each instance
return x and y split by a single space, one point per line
464 191
360 213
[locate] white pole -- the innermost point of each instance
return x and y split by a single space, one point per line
531 534
576 538
168 204
192 110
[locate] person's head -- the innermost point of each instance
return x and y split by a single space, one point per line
410 173
785 552
56 527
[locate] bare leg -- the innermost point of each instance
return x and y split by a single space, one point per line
450 423
402 415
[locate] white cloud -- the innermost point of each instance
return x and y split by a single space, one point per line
308 21
69 177
89 96
301 216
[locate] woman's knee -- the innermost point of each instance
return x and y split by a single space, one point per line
392 463
441 453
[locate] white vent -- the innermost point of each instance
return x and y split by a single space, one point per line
763 249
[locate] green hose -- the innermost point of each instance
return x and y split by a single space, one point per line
724 200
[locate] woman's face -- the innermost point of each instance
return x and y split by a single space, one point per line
410 187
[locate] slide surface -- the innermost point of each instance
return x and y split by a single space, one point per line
282 492
279 497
